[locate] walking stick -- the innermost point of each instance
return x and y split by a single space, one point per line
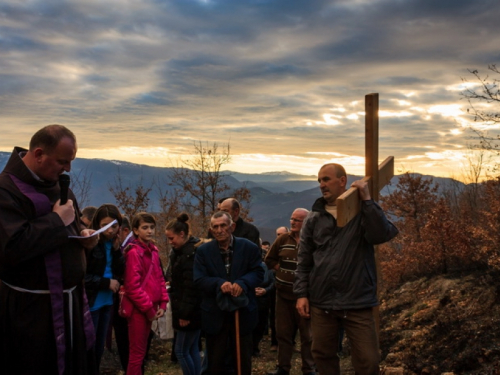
237 327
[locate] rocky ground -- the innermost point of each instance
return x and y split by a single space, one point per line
442 325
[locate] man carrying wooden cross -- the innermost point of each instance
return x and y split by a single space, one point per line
336 280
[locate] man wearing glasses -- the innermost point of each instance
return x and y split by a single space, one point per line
282 257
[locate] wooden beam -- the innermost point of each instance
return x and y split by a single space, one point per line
385 172
348 204
371 143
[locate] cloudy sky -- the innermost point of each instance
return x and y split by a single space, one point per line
282 81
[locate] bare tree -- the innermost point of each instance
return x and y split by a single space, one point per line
488 92
202 179
130 199
480 100
81 183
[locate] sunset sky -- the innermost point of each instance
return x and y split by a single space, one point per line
282 81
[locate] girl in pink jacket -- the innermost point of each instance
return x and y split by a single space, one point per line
145 287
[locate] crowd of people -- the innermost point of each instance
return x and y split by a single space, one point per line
66 273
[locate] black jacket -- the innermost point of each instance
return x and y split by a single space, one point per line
185 298
96 265
336 265
246 230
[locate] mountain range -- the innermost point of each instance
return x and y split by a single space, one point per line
274 195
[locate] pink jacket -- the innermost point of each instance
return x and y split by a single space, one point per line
153 294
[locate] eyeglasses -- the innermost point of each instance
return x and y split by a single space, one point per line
296 220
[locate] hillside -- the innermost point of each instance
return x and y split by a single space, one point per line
448 323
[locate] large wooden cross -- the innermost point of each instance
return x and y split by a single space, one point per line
348 204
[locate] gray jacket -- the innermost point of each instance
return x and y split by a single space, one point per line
336 266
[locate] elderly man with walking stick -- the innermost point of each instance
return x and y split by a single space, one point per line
228 270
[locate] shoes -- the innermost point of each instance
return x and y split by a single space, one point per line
279 371
273 348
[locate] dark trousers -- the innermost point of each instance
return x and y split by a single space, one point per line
217 350
272 316
259 330
288 321
120 325
360 328
100 319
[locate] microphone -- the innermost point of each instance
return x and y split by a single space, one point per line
64 185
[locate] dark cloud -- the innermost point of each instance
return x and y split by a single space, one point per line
286 75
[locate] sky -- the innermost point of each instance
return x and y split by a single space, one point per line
282 82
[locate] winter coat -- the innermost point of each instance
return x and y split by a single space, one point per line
153 295
185 298
96 265
336 265
210 274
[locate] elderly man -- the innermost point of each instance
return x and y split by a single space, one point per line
242 229
228 270
45 325
282 257
336 278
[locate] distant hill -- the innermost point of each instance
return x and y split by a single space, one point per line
274 194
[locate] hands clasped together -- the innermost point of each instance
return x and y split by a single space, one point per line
234 289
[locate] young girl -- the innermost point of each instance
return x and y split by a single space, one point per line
144 286
184 296
105 264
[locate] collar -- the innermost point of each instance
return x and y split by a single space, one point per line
21 155
230 247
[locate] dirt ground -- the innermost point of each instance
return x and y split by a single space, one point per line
448 324
159 362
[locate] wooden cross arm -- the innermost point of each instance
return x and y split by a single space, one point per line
348 204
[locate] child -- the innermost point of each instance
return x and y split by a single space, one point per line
105 264
144 286
184 296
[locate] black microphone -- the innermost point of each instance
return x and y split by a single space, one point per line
64 185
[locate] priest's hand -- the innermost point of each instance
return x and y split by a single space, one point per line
66 211
88 242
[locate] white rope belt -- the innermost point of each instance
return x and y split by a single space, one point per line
67 291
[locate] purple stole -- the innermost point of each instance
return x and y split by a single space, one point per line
54 275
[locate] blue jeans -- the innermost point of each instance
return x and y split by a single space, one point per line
100 318
187 351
